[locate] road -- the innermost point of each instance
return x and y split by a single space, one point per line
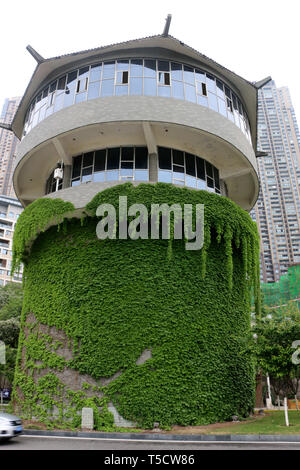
86 444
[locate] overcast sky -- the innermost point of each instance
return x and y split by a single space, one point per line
253 38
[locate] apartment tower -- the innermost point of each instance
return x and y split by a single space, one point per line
277 211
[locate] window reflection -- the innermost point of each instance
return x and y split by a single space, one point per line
137 77
179 167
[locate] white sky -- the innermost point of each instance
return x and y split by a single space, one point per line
253 38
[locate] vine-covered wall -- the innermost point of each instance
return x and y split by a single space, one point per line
145 326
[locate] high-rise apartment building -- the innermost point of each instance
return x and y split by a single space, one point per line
8 147
277 211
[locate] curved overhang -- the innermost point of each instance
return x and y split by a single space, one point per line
167 46
121 121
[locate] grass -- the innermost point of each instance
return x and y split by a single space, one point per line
273 422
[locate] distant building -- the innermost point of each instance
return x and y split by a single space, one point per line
10 209
8 147
277 211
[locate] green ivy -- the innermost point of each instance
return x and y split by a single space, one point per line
115 298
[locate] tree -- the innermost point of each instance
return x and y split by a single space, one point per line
276 331
11 300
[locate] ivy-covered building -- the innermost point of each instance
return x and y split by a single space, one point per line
141 330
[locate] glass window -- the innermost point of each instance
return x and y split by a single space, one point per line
190 164
150 68
163 65
165 176
178 157
107 88
220 89
141 157
76 166
123 64
136 68
211 83
188 75
176 71
177 90
87 174
95 73
200 168
100 157
108 70
136 86
88 159
164 91
127 154
190 93
202 100
94 90
209 169
99 177
113 158
222 107
80 97
212 101
141 175
121 90
150 86
164 158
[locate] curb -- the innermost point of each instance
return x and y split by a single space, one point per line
168 437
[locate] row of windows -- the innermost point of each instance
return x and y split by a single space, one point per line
131 163
148 77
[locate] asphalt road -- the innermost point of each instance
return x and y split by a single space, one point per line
87 444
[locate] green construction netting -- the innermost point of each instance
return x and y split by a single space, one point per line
286 289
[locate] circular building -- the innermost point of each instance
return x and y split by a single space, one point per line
141 330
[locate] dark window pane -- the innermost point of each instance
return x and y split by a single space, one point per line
61 83
163 65
216 177
209 169
141 157
76 166
126 164
178 169
178 157
150 68
113 158
164 158
88 159
83 71
127 154
99 164
176 71
210 182
136 68
72 76
136 86
220 91
95 72
53 86
200 168
227 92
190 164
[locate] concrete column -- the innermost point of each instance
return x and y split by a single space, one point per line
153 167
67 176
